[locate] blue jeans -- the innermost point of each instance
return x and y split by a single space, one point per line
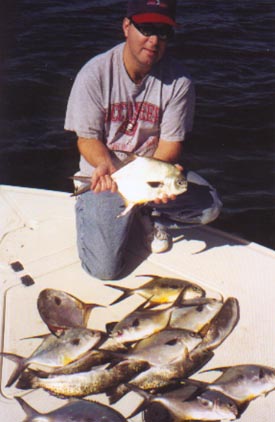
102 237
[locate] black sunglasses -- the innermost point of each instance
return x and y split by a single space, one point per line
162 31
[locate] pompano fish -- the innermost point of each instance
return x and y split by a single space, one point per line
195 317
57 351
79 411
143 180
244 383
60 310
140 324
162 290
221 325
97 380
204 407
155 412
94 357
165 347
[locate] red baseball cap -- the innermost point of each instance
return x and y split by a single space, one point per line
152 11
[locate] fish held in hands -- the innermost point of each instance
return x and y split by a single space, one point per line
142 180
146 179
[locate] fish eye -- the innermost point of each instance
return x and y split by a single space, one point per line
172 342
57 300
206 403
181 182
261 373
135 323
199 308
75 341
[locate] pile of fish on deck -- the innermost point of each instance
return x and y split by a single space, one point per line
153 351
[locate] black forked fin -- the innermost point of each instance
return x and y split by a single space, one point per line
126 293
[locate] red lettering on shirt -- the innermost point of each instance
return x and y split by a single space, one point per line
131 113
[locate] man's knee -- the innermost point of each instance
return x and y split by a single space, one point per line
102 269
103 273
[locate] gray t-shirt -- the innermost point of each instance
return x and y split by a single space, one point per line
107 105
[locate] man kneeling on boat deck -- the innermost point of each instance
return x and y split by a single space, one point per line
137 99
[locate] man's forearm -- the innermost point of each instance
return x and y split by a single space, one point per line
168 151
94 151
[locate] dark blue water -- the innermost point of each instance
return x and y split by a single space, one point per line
227 46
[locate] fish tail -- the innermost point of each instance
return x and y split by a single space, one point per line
146 399
128 207
20 366
115 394
88 307
27 380
30 412
126 293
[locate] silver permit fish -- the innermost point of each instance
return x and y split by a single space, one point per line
84 363
195 317
244 383
145 179
139 324
95 381
79 411
208 406
165 346
57 351
221 325
60 310
155 412
162 290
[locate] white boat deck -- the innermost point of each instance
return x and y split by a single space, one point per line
37 236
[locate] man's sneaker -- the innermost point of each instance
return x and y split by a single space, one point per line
158 240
